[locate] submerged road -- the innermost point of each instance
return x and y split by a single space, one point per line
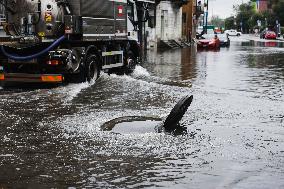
52 138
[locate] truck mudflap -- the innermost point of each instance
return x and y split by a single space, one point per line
31 78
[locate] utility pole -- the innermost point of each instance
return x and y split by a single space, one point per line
206 16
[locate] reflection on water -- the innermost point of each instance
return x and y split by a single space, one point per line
228 68
169 64
263 43
52 138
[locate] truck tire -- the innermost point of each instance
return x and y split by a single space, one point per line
78 77
92 69
131 62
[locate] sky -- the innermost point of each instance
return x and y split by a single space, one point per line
223 8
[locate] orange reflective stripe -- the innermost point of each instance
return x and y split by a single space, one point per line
2 77
51 78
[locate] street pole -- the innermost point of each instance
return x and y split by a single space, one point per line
206 17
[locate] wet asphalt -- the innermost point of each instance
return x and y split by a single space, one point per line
52 137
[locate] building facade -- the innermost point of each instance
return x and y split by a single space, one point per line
2 14
188 29
192 19
168 21
262 5
168 24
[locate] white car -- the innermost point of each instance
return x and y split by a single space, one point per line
233 33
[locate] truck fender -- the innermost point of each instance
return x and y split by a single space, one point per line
135 48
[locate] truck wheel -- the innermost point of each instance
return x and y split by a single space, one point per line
130 61
92 68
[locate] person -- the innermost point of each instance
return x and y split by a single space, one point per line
216 41
256 31
216 38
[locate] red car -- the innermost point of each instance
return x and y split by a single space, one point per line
270 35
208 43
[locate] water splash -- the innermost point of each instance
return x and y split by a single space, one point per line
140 71
71 91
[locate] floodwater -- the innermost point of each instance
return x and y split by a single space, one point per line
52 138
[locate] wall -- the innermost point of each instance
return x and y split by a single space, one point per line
187 21
168 24
168 21
262 5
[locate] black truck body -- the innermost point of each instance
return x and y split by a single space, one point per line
53 41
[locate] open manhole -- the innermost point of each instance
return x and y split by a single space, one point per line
133 124
140 124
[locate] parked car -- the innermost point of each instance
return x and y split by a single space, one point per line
270 35
233 32
223 38
208 41
267 34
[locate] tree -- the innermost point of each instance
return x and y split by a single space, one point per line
244 16
278 8
230 23
217 21
254 21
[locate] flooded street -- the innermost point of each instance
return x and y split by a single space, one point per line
52 138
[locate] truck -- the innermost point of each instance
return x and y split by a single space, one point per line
56 41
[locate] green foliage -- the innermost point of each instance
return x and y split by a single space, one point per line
282 30
246 17
278 10
229 23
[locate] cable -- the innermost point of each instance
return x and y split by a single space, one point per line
29 57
